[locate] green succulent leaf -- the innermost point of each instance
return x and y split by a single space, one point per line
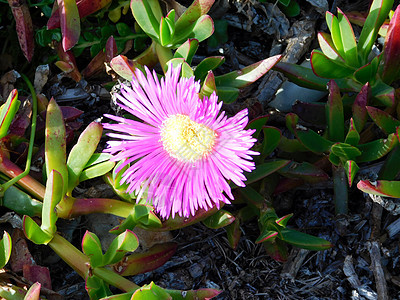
123 243
148 15
267 236
383 120
257 124
206 65
324 67
55 144
383 188
52 196
384 93
303 240
305 171
334 113
265 169
5 249
187 50
151 292
328 47
378 13
8 111
376 149
309 138
272 138
367 73
97 288
333 25
208 86
218 220
352 137
348 39
91 246
34 233
34 292
391 166
247 75
96 170
351 168
345 151
82 152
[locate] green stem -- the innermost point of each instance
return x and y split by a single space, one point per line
340 190
116 280
81 264
164 55
6 185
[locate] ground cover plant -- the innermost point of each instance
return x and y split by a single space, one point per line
178 146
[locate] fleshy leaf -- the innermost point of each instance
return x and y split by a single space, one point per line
345 151
306 171
82 152
151 292
147 14
351 168
328 47
91 246
352 136
96 170
391 53
34 232
187 50
376 149
208 86
348 39
383 188
138 263
378 13
125 242
391 166
334 113
383 120
367 73
69 23
53 195
206 65
267 235
384 93
305 241
334 28
272 138
55 145
309 138
360 107
8 111
5 249
124 67
218 220
257 124
324 67
34 292
265 169
247 75
24 28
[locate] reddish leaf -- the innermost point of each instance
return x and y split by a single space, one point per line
35 273
111 49
68 59
391 54
359 107
69 23
85 8
96 66
124 67
138 263
24 27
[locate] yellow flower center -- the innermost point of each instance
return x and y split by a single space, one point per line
186 140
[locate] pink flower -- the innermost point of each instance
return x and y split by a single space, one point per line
185 150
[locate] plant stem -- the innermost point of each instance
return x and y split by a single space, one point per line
164 55
81 264
96 205
340 190
27 182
